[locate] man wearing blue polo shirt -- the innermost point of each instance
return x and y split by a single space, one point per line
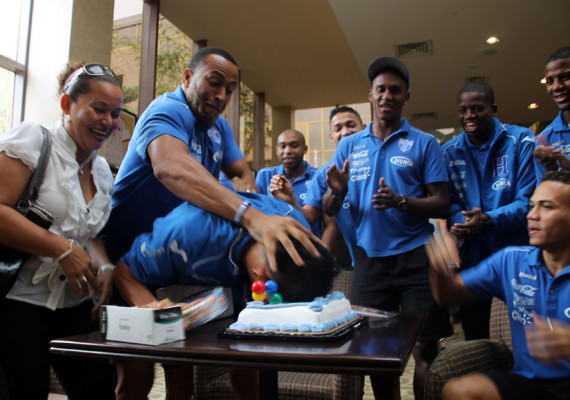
396 180
534 282
491 169
291 149
180 145
553 144
193 246
344 121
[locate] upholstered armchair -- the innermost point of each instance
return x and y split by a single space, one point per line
464 357
214 383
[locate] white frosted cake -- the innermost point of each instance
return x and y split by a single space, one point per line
322 315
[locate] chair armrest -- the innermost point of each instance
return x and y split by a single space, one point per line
204 375
463 358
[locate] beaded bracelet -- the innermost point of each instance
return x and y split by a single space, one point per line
66 252
106 267
239 213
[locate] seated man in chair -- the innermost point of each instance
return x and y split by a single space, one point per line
194 246
534 282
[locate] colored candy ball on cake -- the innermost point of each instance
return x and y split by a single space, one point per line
258 296
275 298
270 287
258 287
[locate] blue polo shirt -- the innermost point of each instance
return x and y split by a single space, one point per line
518 276
193 246
556 134
408 159
139 197
499 179
300 186
314 198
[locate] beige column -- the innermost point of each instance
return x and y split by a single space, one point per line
258 131
233 111
149 46
91 36
283 118
61 31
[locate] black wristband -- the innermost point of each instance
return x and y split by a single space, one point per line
340 195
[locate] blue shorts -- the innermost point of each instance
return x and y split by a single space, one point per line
516 387
399 283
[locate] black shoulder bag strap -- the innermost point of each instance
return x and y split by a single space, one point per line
31 191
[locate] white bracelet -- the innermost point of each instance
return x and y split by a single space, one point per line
239 213
106 267
66 252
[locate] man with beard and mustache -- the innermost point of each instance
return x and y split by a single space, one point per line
396 181
180 145
490 166
291 149
552 150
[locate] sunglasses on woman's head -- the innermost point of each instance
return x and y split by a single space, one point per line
92 70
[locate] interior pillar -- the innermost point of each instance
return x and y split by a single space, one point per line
258 131
283 118
149 46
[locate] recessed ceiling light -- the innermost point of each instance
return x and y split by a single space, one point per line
533 106
492 40
543 81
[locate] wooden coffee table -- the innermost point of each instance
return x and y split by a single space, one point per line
379 347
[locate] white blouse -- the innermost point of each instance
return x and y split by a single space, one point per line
41 280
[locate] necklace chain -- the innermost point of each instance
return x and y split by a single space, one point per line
84 163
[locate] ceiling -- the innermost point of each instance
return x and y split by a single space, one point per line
315 53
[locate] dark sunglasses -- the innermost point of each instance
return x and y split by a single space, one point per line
92 70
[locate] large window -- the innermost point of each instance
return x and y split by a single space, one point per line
14 32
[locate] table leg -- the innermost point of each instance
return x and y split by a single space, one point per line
268 387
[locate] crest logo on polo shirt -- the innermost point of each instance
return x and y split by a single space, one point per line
308 183
567 312
405 144
501 184
218 155
402 161
195 150
214 134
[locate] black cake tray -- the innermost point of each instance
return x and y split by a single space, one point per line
335 335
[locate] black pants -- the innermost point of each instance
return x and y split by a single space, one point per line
399 283
24 353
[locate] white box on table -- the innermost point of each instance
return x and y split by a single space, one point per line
142 325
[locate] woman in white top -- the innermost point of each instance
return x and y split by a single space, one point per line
52 295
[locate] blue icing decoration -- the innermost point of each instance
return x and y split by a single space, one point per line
289 328
304 328
315 306
336 296
255 304
255 326
238 326
271 327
